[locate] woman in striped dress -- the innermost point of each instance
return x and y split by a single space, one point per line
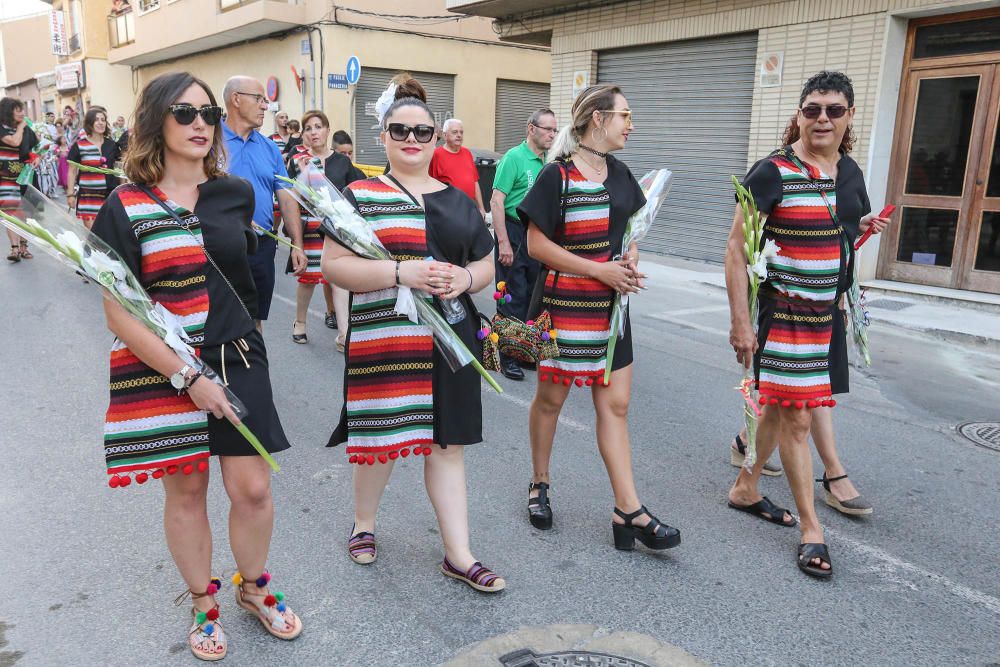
315 152
88 190
576 214
401 398
815 200
280 140
16 143
183 228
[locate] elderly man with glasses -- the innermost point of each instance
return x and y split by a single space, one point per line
257 159
515 175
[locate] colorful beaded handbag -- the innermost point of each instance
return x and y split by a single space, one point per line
530 342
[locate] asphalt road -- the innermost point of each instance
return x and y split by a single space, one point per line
88 580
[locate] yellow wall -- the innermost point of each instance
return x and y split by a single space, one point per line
476 66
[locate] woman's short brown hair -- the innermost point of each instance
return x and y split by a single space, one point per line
315 113
144 158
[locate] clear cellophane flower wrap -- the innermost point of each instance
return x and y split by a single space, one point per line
655 186
757 256
53 230
338 218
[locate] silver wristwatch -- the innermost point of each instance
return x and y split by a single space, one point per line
179 379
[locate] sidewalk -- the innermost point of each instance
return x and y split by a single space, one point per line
947 315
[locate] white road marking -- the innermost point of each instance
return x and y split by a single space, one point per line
284 299
568 422
694 311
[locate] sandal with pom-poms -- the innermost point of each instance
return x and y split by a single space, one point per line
206 639
271 610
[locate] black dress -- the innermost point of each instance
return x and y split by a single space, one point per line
232 346
455 233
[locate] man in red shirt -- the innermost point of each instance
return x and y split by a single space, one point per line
452 163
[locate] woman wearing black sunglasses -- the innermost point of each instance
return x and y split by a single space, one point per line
400 396
183 227
815 200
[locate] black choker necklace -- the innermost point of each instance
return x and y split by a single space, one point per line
597 153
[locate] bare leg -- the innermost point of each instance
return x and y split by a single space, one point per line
369 484
796 457
303 295
342 305
251 517
328 297
745 489
611 406
826 446
251 520
444 477
189 538
542 421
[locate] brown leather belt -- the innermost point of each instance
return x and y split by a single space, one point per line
774 295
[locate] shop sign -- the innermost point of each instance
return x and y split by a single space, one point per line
70 76
581 81
770 69
57 30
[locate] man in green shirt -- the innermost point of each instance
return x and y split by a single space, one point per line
514 177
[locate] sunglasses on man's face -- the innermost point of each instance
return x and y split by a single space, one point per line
399 132
185 113
833 111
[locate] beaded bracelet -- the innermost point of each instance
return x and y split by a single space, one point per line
397 272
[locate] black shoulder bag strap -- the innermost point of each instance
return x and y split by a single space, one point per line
173 214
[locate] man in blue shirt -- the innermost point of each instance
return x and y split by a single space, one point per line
256 158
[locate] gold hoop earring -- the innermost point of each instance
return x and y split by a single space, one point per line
593 135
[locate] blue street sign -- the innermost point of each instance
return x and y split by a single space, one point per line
336 81
353 70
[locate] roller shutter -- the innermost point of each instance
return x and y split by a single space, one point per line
516 101
692 103
440 98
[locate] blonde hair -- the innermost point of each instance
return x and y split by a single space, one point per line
595 98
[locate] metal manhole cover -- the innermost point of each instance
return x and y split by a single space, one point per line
984 434
528 658
888 304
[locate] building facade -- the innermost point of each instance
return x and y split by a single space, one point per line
26 63
80 37
301 48
714 82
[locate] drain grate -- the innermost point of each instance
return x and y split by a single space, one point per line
527 658
888 304
984 434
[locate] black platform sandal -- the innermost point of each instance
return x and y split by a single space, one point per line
539 510
655 534
815 550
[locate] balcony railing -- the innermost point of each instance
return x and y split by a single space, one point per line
226 5
121 29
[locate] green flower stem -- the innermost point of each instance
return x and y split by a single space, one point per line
252 439
276 237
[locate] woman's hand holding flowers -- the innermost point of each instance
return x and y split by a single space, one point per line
432 277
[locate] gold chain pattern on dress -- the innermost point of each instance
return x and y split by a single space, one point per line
391 368
193 280
791 317
589 246
139 382
805 232
577 304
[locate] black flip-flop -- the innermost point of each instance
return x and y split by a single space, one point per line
809 551
762 508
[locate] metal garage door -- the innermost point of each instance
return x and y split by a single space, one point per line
691 102
516 101
440 98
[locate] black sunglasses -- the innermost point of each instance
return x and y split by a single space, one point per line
185 113
399 132
813 111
